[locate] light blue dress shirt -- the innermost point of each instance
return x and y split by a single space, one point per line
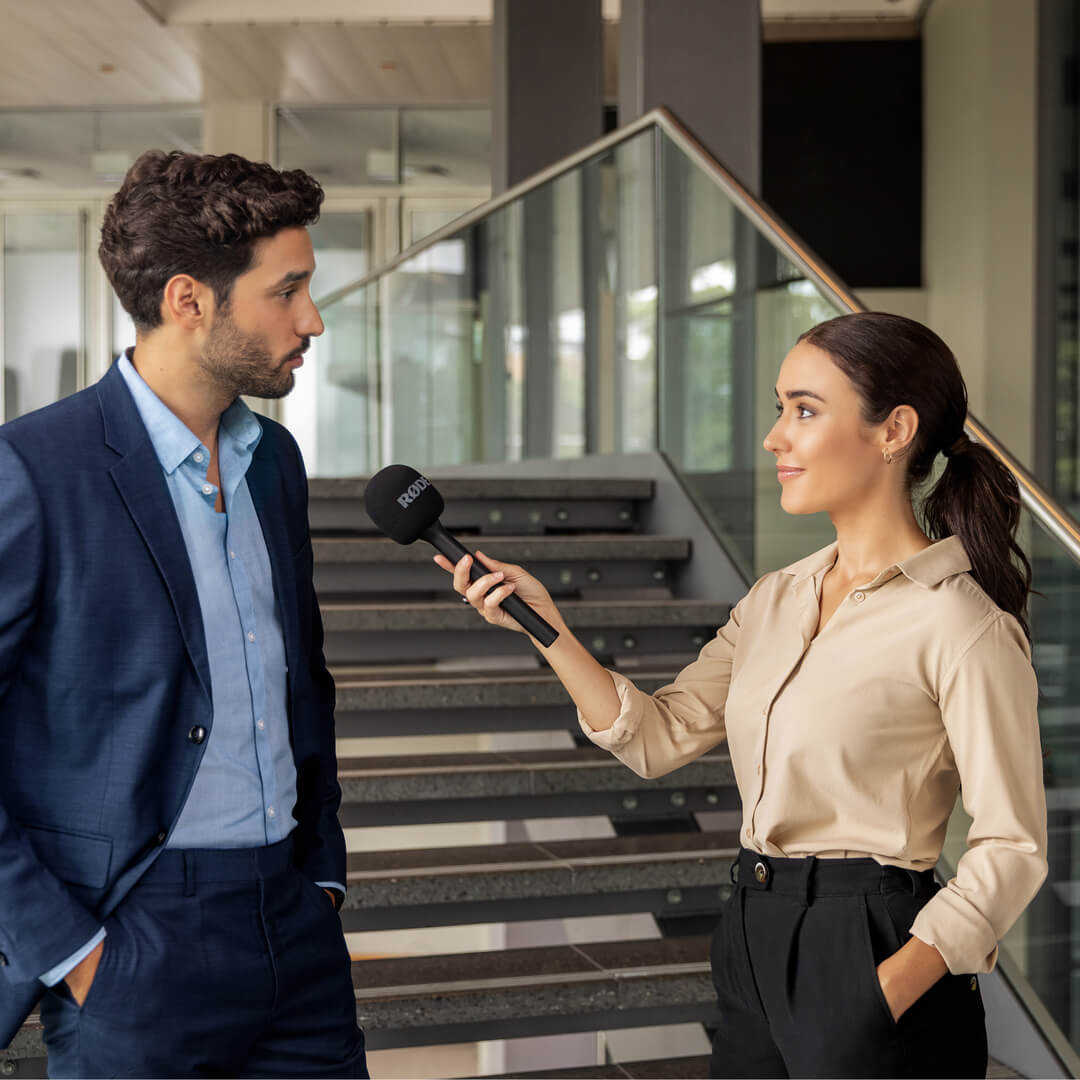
245 786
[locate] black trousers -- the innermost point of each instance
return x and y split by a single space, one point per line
794 964
219 963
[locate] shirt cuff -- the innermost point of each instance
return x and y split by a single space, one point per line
337 887
55 974
631 707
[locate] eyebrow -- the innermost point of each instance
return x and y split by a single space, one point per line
291 278
791 394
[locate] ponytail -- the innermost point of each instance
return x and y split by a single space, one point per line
895 361
977 499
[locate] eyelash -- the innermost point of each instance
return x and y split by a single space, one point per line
287 294
802 408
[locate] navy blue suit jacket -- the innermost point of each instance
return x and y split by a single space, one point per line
103 672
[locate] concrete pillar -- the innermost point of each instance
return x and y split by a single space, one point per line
702 60
547 93
237 127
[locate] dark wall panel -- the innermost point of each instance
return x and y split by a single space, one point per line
842 156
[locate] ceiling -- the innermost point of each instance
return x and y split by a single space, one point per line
139 52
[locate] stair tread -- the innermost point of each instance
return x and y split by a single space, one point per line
462 972
585 757
680 1068
486 857
500 487
378 549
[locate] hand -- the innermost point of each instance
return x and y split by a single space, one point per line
908 974
81 976
486 593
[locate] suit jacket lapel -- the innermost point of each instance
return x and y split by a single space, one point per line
142 486
264 484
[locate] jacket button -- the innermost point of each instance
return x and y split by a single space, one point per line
196 735
160 838
3 960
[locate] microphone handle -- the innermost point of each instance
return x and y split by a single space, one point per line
513 605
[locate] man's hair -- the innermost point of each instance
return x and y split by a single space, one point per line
196 214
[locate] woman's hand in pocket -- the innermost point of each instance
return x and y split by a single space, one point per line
908 974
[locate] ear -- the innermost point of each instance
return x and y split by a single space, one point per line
899 430
186 302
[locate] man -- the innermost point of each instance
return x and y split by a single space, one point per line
170 854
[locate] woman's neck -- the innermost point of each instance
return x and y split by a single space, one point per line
873 538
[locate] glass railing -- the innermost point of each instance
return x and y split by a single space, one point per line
636 297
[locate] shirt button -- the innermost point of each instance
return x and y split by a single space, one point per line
199 456
207 489
261 724
3 960
759 768
232 554
859 597
270 812
251 635
746 833
196 735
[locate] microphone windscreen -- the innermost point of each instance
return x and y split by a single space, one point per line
402 503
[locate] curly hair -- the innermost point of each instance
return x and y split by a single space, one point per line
196 214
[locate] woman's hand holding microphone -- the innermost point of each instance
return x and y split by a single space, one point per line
488 592
585 680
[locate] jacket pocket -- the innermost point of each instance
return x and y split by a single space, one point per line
77 858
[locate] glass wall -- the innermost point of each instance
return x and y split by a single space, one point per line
42 298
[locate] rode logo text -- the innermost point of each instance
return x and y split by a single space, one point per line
412 491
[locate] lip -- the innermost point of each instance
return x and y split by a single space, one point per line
787 472
298 360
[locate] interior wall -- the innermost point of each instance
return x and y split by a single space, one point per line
980 65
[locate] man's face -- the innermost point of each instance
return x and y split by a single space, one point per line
257 340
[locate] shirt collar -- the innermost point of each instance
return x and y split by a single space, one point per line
927 568
171 438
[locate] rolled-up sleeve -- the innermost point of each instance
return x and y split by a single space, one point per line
657 733
989 708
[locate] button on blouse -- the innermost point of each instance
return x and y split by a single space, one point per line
855 742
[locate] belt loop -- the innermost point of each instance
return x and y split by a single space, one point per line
189 873
809 864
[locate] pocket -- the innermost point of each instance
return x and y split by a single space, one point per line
880 941
104 969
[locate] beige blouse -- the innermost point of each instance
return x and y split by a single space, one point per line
855 743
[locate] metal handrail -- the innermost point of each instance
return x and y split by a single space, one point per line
1034 497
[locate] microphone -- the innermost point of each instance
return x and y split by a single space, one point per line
406 507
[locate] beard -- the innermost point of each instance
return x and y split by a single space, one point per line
240 363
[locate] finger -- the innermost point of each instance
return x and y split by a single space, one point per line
481 586
444 563
461 574
494 599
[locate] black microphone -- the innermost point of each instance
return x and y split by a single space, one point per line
406 507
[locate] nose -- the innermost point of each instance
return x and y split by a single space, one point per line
775 442
311 324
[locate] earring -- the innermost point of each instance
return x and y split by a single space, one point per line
888 457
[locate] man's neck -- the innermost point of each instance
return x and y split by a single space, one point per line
182 387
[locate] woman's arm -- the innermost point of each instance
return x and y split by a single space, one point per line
651 734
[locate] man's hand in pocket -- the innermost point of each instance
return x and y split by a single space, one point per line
81 976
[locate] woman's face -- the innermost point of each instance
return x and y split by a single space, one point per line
827 457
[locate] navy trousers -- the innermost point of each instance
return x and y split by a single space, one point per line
795 968
218 963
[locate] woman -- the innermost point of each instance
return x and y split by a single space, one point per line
857 690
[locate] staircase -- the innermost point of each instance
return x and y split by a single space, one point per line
447 724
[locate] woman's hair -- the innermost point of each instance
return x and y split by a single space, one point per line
196 214
896 361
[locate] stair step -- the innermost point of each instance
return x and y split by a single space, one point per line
413 1001
682 1068
430 702
565 564
381 632
578 782
671 873
466 997
504 504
